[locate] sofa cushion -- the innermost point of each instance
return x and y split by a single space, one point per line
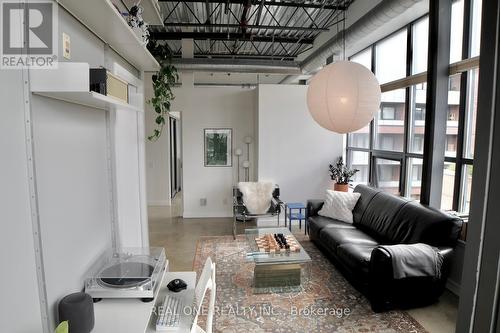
379 219
317 223
420 224
339 205
333 237
367 194
356 256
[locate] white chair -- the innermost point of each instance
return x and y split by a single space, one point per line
206 282
193 296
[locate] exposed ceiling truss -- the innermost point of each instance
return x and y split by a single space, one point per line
247 29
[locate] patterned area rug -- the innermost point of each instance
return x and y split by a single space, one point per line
325 302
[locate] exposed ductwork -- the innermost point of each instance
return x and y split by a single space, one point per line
363 30
384 18
237 65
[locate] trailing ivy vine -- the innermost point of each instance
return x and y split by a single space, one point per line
163 81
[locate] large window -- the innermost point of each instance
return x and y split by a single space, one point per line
452 116
417 118
387 174
360 160
364 58
390 55
457 30
389 123
471 110
414 172
389 151
420 35
476 28
460 135
361 138
449 172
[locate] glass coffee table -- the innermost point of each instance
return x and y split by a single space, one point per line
281 269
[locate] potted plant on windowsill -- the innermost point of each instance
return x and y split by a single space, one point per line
341 175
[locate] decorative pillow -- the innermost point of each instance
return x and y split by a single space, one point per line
257 196
339 205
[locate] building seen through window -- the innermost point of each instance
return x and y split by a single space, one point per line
389 151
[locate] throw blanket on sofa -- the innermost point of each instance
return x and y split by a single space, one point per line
257 196
413 260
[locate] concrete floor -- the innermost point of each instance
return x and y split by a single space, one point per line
179 237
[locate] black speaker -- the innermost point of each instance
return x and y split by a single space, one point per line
98 78
78 310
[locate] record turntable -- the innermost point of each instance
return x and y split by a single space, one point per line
127 273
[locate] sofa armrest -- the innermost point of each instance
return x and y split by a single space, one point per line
385 290
313 207
381 261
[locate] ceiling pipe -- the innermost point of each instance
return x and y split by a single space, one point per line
238 66
378 17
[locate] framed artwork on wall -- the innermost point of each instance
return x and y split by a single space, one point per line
218 147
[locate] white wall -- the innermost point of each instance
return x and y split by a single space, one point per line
73 192
212 107
126 134
19 305
294 151
289 147
72 196
157 155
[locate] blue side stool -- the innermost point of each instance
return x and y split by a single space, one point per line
296 211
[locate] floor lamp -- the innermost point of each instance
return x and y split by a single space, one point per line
248 141
238 152
246 164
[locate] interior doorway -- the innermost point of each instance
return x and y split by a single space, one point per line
175 154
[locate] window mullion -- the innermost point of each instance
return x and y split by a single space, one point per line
405 173
459 166
372 127
462 111
436 100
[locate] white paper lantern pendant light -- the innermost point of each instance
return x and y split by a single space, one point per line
344 96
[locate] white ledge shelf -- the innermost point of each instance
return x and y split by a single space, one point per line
70 83
88 98
102 18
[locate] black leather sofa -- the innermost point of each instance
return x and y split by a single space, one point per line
383 219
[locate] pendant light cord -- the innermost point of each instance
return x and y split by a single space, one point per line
343 28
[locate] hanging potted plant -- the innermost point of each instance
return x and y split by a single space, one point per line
163 82
136 22
341 175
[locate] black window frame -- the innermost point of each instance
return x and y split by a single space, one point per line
460 160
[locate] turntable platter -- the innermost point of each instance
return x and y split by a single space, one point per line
126 274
